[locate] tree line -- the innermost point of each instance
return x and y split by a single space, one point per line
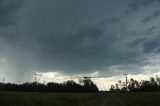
84 85
153 84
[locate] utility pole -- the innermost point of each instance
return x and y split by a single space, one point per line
37 77
126 80
3 80
3 84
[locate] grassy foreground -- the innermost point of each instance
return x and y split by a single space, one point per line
139 99
79 99
50 99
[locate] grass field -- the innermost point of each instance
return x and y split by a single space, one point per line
79 99
50 99
139 99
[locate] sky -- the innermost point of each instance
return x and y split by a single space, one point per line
63 39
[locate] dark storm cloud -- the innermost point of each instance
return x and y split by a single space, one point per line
148 40
83 48
134 5
152 17
7 11
73 37
152 44
138 3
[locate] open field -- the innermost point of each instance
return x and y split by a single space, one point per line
139 99
50 99
79 99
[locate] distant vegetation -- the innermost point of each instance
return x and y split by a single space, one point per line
137 86
85 85
38 94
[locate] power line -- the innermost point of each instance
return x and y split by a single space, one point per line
3 80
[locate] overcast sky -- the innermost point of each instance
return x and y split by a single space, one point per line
103 38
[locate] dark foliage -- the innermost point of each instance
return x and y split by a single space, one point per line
134 86
70 86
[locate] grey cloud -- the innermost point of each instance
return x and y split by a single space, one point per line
7 11
134 5
148 41
152 44
137 3
152 17
74 37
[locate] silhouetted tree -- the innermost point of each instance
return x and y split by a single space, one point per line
88 85
68 86
116 88
151 85
133 85
112 88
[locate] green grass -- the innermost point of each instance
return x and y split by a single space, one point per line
78 99
50 99
139 99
